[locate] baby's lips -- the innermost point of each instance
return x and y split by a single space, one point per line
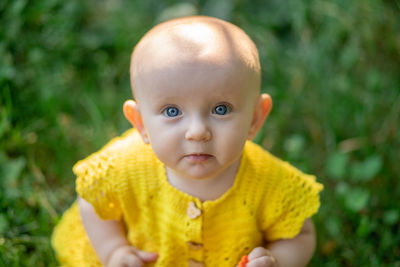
198 157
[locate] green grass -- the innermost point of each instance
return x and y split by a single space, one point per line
332 68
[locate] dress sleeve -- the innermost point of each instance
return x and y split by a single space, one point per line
295 197
96 184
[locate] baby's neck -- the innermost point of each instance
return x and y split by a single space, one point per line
205 189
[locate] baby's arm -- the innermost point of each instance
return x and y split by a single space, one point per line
296 251
286 252
108 239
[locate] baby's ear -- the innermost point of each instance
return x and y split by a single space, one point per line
261 111
132 114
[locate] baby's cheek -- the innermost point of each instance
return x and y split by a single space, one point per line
167 150
162 152
232 148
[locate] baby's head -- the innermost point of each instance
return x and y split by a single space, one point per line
196 82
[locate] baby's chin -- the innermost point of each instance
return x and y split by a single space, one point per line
195 172
201 173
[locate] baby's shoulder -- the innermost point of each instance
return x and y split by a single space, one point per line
116 154
263 161
278 180
268 165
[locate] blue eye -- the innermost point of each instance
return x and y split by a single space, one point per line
171 112
221 109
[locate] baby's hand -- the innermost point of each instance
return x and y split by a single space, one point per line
128 256
261 257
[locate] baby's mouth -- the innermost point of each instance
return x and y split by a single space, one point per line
198 157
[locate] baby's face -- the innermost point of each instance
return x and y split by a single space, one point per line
197 116
197 90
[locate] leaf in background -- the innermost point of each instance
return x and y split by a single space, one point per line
391 217
294 146
334 226
364 228
366 170
349 56
3 224
342 188
11 170
221 9
4 122
387 241
336 165
177 10
356 199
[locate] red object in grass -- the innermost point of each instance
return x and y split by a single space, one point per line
243 261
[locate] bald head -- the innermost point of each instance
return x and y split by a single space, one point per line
195 44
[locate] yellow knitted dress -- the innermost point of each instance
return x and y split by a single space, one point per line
269 200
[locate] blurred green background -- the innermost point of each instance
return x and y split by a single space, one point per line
332 68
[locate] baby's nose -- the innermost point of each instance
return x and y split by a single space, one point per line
198 131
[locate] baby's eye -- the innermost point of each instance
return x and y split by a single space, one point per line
171 112
221 110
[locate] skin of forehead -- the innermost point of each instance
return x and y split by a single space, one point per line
197 43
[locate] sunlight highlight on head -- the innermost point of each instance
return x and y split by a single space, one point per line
195 44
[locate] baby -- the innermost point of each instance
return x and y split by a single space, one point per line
185 187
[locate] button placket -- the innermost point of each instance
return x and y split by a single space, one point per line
192 211
194 263
194 246
194 225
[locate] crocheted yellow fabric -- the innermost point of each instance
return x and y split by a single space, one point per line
269 200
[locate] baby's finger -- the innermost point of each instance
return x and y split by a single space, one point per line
259 252
146 256
131 260
263 261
